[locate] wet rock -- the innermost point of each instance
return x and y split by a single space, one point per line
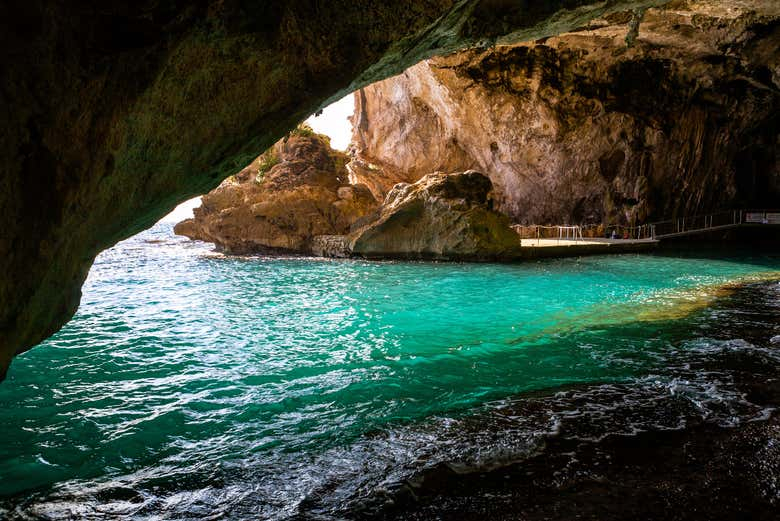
441 216
330 246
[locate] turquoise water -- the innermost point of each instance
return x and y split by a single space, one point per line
190 382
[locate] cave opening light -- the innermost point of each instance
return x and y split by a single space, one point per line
334 122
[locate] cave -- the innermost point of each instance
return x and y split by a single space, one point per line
549 245
170 99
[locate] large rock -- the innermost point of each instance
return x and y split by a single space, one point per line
602 125
295 191
114 112
441 216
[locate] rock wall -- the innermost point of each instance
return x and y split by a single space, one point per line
293 192
114 112
679 116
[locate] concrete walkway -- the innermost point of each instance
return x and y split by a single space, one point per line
539 248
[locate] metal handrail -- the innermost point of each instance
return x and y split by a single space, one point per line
670 227
713 221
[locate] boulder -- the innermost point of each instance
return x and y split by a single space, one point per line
330 246
441 216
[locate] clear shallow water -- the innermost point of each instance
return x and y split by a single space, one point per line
194 385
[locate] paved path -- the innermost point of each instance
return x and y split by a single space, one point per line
588 241
539 248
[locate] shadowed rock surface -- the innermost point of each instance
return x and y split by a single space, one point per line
114 113
702 473
580 128
293 192
441 216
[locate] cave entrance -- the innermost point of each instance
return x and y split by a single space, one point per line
334 121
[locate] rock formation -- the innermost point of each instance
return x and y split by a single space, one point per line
296 190
114 112
634 117
641 115
441 216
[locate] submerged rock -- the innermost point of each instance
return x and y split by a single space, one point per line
581 128
293 192
441 216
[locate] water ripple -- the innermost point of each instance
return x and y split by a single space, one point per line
195 385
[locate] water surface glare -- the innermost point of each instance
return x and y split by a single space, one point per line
190 383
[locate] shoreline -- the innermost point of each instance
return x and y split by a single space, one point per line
529 251
699 469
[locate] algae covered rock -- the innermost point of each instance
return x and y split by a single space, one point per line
441 216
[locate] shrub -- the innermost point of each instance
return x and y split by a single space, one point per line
267 162
303 130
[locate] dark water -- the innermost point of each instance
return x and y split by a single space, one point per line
195 386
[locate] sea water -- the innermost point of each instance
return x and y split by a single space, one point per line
191 384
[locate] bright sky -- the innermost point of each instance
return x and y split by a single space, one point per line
332 122
181 212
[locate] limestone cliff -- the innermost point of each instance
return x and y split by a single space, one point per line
114 112
441 216
293 192
605 124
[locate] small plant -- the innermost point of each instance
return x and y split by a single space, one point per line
302 130
267 162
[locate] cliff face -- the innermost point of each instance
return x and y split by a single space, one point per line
596 125
638 116
293 192
114 112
